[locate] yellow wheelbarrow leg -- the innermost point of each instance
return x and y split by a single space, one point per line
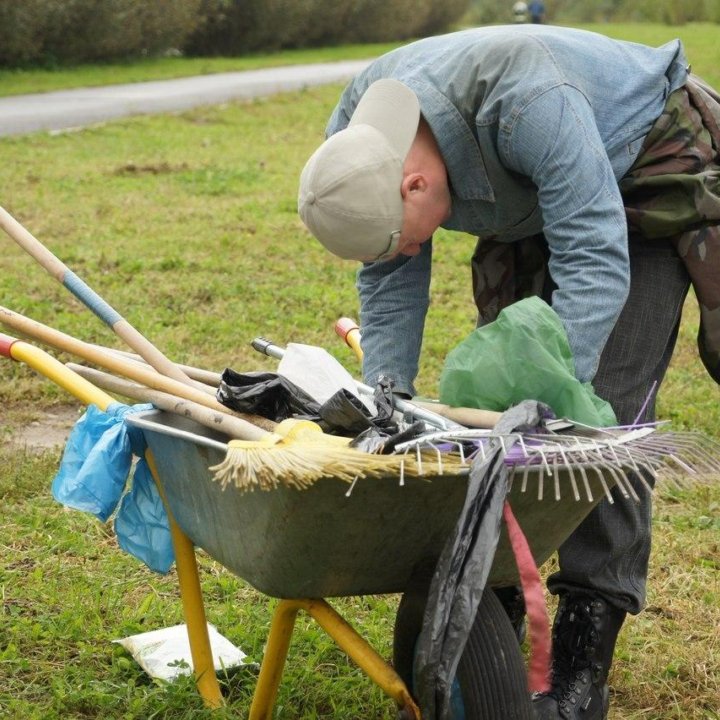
189 582
347 640
192 602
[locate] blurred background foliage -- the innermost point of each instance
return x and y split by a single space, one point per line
52 33
61 32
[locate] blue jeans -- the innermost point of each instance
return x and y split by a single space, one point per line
609 551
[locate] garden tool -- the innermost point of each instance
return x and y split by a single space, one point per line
220 421
295 454
581 449
121 327
433 420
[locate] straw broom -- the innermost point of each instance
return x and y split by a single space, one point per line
295 455
241 475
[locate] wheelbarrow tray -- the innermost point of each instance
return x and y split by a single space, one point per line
326 541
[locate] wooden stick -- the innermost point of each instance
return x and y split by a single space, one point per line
88 297
207 377
256 427
470 417
221 422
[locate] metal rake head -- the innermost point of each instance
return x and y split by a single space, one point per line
630 458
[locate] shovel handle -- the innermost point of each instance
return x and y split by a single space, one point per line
88 297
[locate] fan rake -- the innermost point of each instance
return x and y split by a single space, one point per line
539 458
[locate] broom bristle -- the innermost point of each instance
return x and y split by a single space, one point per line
265 466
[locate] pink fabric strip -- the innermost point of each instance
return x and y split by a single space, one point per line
538 621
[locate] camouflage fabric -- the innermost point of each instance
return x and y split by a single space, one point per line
672 191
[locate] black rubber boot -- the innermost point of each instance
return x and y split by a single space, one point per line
584 634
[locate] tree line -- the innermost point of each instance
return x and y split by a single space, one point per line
61 32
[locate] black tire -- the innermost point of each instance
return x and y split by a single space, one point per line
491 673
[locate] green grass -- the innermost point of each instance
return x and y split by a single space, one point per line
700 40
34 80
186 223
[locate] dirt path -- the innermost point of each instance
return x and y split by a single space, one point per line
49 431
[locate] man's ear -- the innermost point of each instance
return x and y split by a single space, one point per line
413 183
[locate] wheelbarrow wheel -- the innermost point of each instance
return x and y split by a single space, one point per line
491 681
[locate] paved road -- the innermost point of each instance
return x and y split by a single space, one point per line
64 109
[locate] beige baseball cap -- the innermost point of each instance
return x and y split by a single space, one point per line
349 195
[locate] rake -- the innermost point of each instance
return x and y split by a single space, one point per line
539 457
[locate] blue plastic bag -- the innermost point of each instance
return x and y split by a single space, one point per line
96 462
93 476
141 524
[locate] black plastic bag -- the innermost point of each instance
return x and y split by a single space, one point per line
344 411
464 565
275 397
267 394
375 440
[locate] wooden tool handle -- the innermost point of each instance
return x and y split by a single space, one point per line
88 297
255 430
349 331
221 422
470 417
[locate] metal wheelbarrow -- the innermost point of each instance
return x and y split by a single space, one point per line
327 541
302 546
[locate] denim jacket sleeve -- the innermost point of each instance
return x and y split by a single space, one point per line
394 298
554 141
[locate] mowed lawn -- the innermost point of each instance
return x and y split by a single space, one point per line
186 223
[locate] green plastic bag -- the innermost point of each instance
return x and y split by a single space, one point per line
523 355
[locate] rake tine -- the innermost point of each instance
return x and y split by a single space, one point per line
402 472
502 445
682 464
641 475
622 472
618 481
541 482
461 452
556 479
587 483
568 465
439 458
526 469
523 446
544 461
352 486
631 456
698 448
481 449
604 484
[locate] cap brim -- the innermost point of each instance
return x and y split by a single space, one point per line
393 109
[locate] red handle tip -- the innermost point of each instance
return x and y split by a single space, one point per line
345 325
6 342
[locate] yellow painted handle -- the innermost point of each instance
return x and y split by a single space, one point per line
54 370
349 331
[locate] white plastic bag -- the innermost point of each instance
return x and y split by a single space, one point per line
165 654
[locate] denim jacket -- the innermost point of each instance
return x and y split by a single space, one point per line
536 125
